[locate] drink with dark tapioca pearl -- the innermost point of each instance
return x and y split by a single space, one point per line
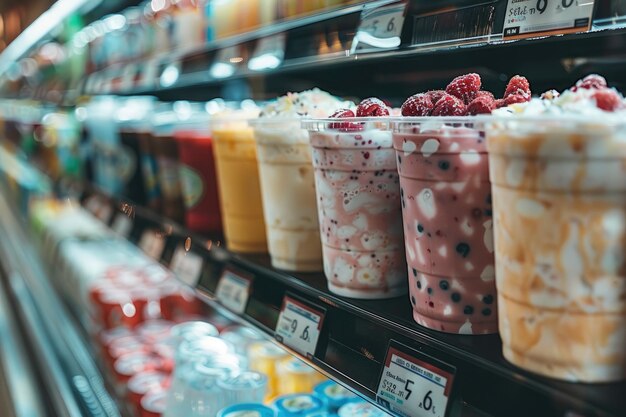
446 204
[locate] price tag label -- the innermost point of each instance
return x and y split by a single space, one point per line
152 243
414 384
299 326
233 291
187 265
122 224
380 28
526 18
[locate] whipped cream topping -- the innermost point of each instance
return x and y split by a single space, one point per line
570 103
310 103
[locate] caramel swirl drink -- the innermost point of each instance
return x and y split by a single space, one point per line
559 196
358 199
287 182
238 182
446 206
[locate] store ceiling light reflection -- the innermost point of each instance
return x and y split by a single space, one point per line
222 70
264 62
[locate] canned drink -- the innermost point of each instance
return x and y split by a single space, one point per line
245 387
193 330
155 274
361 409
155 330
298 405
264 358
241 337
117 308
194 387
295 376
124 346
148 302
246 410
105 337
153 404
178 301
143 383
201 348
334 395
131 364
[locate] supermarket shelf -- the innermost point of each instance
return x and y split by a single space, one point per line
70 376
566 56
356 334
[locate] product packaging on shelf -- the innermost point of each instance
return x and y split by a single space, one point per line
358 198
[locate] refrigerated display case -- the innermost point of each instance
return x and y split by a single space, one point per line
384 48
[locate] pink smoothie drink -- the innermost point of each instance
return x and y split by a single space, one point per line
446 207
358 199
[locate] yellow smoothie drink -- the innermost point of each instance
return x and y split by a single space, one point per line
558 170
287 180
238 181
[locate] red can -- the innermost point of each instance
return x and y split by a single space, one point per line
148 302
114 308
166 350
143 383
178 301
153 403
131 364
125 346
152 331
198 178
156 274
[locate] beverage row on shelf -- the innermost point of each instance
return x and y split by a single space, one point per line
507 214
161 349
159 26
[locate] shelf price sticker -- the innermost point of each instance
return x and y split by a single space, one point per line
187 266
299 326
233 291
380 28
528 18
152 243
414 384
122 224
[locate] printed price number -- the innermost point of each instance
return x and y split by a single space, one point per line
122 224
527 17
187 265
380 28
152 243
299 326
414 384
233 291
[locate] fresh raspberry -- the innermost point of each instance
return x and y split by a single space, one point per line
500 103
481 105
418 105
435 95
516 98
484 93
449 105
342 113
591 82
464 87
372 107
608 99
517 85
550 95
347 126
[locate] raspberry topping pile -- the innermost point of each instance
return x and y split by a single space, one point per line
463 96
372 107
591 82
347 126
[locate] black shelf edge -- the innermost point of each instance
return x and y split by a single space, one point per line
356 333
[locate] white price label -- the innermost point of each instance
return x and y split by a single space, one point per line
122 224
299 326
380 28
187 266
233 291
413 387
152 243
525 18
